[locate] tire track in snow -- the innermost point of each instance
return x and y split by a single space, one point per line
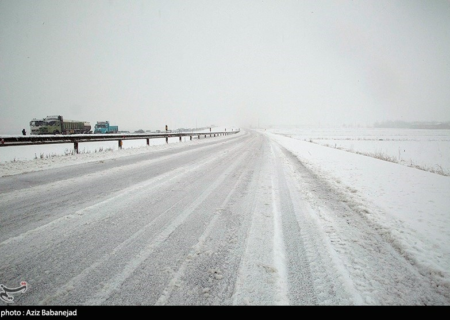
70 284
44 241
22 206
147 187
114 283
196 249
91 214
261 278
279 247
209 278
312 252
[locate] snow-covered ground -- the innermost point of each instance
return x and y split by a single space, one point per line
410 205
420 148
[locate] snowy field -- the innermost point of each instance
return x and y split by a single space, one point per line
423 149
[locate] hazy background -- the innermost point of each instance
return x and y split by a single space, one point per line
145 64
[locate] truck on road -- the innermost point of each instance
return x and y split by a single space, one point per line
59 125
105 127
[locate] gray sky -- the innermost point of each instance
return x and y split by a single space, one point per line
145 64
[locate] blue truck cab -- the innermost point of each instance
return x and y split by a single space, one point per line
105 127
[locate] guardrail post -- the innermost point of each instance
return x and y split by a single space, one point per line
191 137
167 139
75 146
199 136
120 144
148 141
180 138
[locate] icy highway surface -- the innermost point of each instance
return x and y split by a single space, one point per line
235 220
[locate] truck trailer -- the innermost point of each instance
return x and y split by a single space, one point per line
58 125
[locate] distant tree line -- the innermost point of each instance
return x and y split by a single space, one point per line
413 125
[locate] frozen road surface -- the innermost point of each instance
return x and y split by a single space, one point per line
234 220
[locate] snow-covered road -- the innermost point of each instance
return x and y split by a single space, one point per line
231 221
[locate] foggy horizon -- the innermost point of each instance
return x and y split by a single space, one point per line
186 64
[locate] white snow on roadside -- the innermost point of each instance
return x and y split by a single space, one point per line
414 205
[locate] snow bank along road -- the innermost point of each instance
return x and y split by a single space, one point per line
232 220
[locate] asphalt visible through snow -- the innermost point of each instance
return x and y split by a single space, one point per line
236 221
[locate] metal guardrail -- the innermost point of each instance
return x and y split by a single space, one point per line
8 141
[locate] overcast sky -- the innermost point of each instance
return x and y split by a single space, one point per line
145 64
